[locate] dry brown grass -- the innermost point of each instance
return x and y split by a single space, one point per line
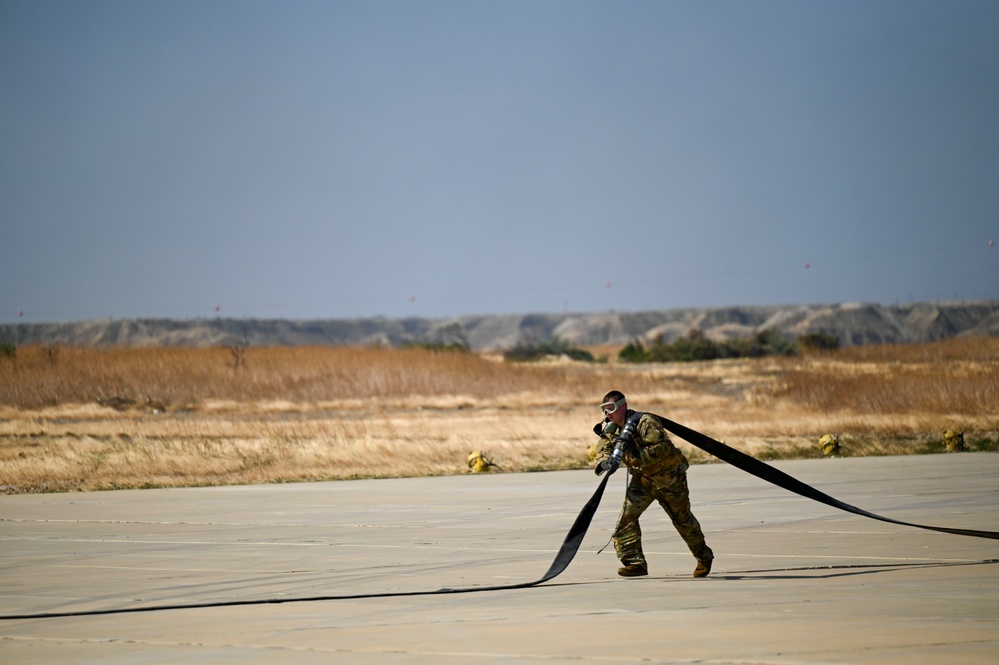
88 418
956 377
43 376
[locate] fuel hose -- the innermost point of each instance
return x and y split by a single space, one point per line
562 559
764 471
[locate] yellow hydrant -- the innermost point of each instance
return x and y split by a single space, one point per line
478 462
829 443
954 440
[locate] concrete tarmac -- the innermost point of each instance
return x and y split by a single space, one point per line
793 582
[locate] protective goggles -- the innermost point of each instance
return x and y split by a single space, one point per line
610 407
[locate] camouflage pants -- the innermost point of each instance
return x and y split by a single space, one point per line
673 495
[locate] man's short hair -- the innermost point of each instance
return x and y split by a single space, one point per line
614 396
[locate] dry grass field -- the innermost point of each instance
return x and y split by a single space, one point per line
75 418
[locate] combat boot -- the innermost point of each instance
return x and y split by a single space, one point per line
703 568
633 570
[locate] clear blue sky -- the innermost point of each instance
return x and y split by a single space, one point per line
425 158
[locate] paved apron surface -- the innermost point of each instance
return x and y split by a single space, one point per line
793 582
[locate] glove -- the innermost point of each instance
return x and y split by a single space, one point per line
610 464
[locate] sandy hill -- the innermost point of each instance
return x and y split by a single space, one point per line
852 323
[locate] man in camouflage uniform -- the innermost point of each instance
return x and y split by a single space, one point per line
658 473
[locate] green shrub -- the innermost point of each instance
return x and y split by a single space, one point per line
443 347
696 346
553 347
818 342
775 343
633 352
7 350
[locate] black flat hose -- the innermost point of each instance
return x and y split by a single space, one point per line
565 555
777 477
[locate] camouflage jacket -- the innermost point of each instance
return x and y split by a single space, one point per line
651 453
